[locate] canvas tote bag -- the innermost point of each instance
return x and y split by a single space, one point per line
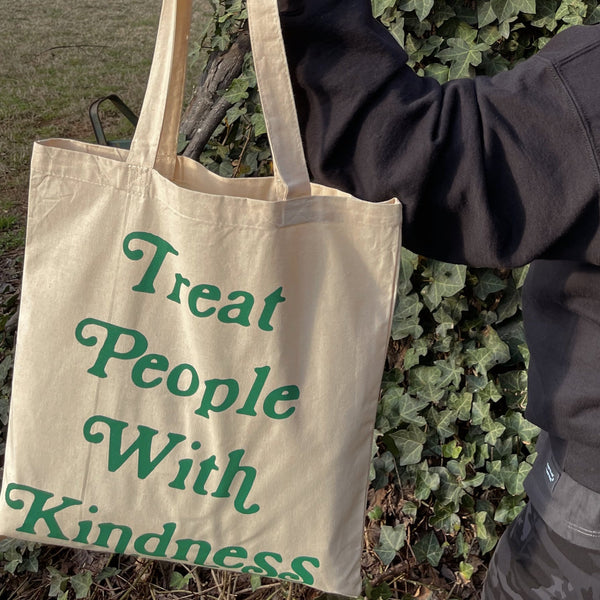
199 359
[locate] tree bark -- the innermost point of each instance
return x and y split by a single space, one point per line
207 107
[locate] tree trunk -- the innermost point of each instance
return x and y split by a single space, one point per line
207 107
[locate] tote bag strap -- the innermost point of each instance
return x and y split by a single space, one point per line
154 143
277 98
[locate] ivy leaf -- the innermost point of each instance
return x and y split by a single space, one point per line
407 5
493 352
571 12
465 32
5 367
397 30
475 383
427 47
485 14
452 449
460 404
451 373
179 581
493 477
413 354
221 42
409 262
234 113
409 443
444 422
58 582
513 385
258 122
107 573
508 509
428 549
426 482
462 56
517 424
489 392
475 481
462 547
441 73
488 283
480 412
489 35
445 280
505 9
445 323
458 468
425 383
450 491
514 474
409 509
11 565
391 539
81 584
466 571
494 431
545 15
504 446
486 531
406 317
510 302
238 90
442 13
492 65
593 17
255 581
398 407
448 315
379 6
423 8
381 467
445 518
519 275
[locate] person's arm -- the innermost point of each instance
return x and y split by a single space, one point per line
491 171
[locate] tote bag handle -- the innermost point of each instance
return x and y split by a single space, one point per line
154 143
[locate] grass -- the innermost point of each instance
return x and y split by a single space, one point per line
58 56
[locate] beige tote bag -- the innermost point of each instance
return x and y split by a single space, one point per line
198 358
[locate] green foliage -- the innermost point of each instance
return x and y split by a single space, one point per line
18 556
448 39
60 584
391 539
179 581
239 146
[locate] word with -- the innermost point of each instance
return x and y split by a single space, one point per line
230 313
157 363
156 545
143 446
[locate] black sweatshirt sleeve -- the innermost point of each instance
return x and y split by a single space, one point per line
491 171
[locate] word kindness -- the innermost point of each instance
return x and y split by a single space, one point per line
45 512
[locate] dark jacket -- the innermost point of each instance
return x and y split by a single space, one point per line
492 172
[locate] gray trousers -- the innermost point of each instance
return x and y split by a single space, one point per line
552 550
